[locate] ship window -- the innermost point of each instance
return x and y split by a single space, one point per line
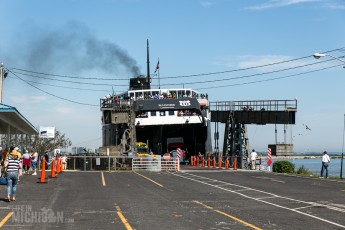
171 113
153 113
162 113
188 93
180 93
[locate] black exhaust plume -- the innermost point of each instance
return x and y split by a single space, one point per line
73 48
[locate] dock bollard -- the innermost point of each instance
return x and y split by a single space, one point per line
52 174
43 172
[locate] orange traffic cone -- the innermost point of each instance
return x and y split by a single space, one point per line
43 172
220 164
208 162
214 162
60 159
227 163
203 162
58 166
52 174
235 163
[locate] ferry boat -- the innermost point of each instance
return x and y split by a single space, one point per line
165 119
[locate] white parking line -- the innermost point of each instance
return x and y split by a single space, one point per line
266 202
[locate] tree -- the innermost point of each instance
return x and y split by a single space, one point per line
39 144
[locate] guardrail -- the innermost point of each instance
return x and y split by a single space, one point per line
99 163
113 163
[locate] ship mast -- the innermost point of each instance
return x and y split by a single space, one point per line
148 79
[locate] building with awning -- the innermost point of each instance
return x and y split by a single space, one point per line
15 129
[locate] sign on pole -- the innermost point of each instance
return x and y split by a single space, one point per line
47 132
269 158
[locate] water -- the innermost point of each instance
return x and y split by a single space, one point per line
314 165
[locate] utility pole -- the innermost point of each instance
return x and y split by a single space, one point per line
2 77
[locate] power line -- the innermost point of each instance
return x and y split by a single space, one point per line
270 79
199 82
65 99
67 76
251 75
66 87
181 76
74 82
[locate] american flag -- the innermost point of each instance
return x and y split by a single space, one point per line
179 151
157 67
269 157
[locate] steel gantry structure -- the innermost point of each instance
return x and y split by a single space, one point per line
237 114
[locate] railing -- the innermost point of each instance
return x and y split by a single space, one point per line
101 163
155 163
259 105
113 163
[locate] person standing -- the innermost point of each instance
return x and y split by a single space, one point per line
253 156
21 161
13 165
34 159
325 162
26 162
46 158
64 162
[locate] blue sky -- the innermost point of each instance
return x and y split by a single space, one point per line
78 39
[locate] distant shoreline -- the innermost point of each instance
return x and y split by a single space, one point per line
301 157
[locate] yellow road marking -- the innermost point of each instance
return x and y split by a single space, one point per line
227 215
6 219
103 181
123 219
150 180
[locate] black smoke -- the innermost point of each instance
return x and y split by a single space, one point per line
71 47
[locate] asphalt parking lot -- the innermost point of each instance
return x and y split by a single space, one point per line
190 199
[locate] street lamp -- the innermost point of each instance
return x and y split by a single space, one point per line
319 55
342 153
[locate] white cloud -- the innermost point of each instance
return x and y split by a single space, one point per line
335 6
278 3
206 3
248 61
28 100
64 110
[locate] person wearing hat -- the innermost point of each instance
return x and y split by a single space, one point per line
13 165
253 156
325 162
